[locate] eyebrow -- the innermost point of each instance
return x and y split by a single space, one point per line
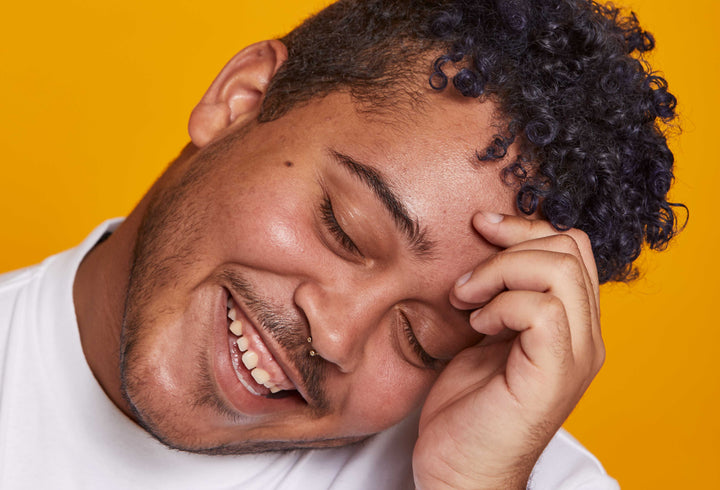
416 235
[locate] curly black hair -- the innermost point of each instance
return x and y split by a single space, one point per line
577 96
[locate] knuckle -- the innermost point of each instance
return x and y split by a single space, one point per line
538 224
553 307
582 240
569 263
566 243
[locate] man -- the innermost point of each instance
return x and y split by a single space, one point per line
345 246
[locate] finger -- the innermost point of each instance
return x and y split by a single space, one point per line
533 270
545 336
565 244
542 271
506 231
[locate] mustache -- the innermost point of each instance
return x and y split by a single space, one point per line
289 329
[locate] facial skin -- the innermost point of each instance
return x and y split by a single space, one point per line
243 216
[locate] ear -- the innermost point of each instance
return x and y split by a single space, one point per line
236 95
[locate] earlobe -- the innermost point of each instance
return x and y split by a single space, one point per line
236 95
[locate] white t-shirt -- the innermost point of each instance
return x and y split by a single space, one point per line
59 430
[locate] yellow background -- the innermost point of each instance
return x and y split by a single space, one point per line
94 98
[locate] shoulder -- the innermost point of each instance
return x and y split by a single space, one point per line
14 287
566 464
12 281
11 286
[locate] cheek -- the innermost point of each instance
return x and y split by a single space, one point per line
282 233
276 237
389 391
267 225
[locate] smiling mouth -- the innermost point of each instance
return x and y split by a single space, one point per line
254 365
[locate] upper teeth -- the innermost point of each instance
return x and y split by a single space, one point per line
249 357
242 343
236 328
260 375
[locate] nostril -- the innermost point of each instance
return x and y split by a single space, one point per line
332 330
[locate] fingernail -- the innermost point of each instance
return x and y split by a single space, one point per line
463 279
492 217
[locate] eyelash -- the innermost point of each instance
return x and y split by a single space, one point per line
328 217
426 358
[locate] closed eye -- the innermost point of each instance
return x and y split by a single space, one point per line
427 360
330 221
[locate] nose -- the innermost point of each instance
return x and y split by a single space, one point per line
341 323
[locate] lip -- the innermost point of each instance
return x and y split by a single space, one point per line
233 390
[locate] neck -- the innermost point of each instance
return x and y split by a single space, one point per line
99 296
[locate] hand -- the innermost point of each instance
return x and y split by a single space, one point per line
497 404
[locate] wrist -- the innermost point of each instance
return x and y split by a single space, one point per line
510 481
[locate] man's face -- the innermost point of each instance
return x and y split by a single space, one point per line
326 223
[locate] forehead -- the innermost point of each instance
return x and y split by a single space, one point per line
431 140
428 153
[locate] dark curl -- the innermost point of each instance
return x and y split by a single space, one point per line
580 102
